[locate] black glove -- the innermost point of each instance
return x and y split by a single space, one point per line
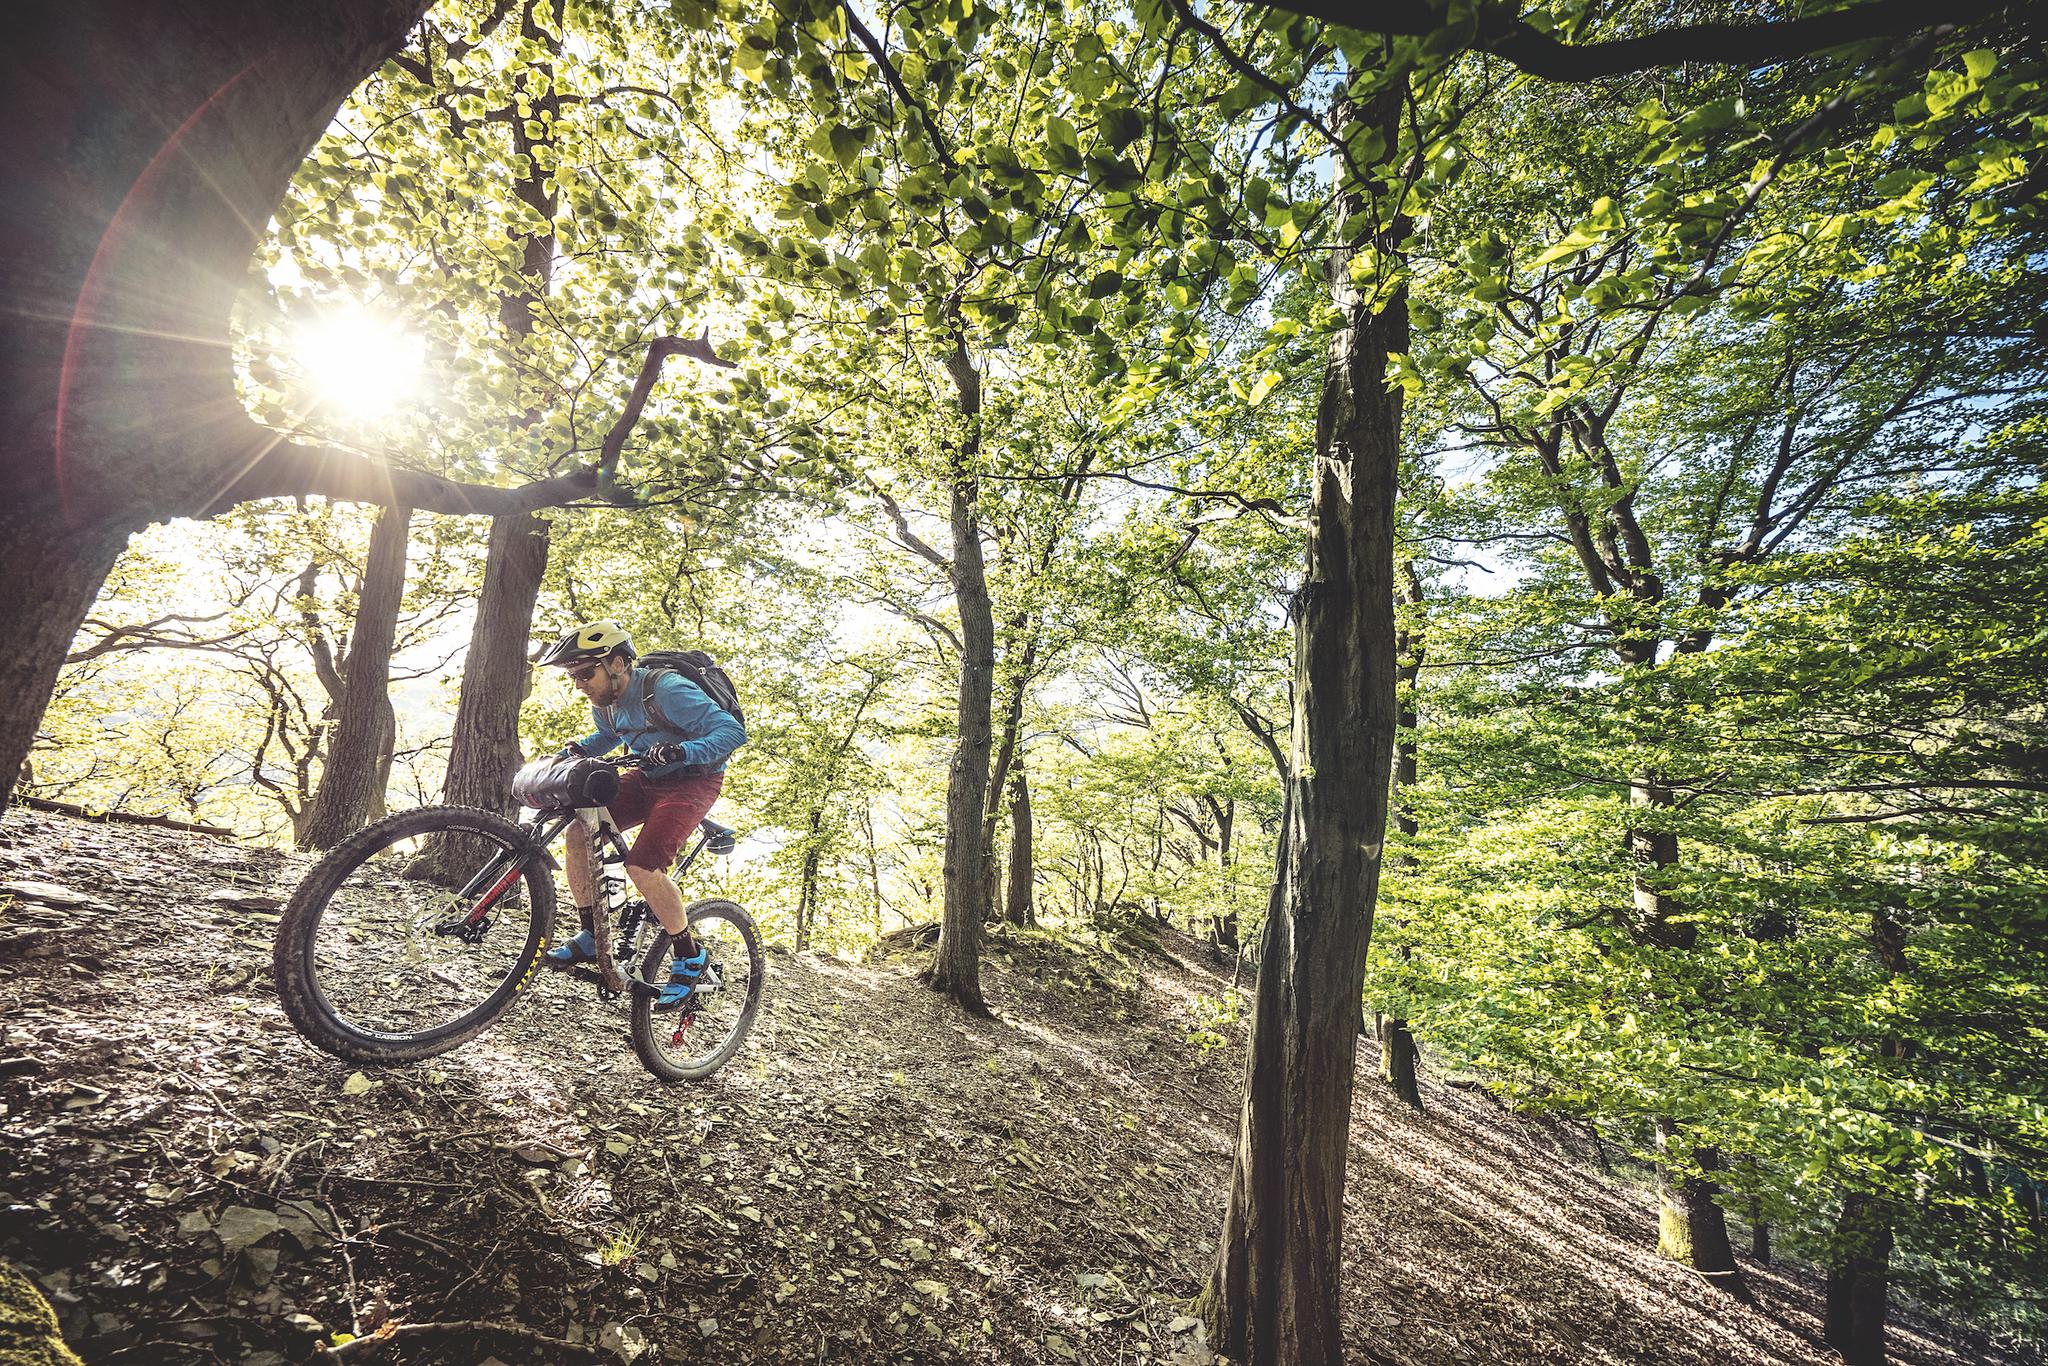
660 756
572 750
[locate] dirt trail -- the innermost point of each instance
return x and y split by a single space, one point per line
876 1177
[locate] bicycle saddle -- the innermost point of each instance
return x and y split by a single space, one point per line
719 839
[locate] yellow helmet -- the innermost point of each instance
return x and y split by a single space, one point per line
593 640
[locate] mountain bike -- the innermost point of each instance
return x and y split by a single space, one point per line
418 932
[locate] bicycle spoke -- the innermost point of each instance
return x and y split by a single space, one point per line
694 1039
394 955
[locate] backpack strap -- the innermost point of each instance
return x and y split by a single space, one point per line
651 703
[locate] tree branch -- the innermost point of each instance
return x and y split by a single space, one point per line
895 82
1503 32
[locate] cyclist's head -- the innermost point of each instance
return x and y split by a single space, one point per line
588 650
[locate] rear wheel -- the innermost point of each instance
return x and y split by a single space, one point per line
384 956
691 1041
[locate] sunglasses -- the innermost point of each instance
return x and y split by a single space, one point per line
583 673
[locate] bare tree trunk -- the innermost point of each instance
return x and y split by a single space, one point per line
65 573
807 881
1859 1282
1272 1297
495 678
956 961
1398 1058
1397 1044
1018 909
347 783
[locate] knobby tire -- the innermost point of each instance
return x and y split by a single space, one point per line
293 958
652 1025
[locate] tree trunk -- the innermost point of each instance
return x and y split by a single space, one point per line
495 678
1272 1297
1017 908
1656 854
1223 928
1691 1228
1859 1282
53 581
1397 1059
1005 755
956 961
807 881
351 778
1397 1044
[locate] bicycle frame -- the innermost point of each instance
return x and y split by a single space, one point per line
542 830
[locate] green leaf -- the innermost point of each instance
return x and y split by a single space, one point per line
1122 125
1571 246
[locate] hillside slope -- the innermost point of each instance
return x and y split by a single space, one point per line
876 1177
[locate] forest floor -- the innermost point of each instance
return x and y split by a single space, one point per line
875 1177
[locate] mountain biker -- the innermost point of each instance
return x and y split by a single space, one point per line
682 742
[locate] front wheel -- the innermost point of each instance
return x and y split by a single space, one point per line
414 934
691 1041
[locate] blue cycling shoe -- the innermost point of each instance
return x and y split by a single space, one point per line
581 949
682 977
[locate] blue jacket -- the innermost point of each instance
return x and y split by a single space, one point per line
683 715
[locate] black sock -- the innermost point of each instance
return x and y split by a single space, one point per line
588 915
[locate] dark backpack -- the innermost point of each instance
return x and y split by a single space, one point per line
700 669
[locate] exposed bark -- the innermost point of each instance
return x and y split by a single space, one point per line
999 772
956 963
1397 1044
1223 929
1017 906
1859 1281
123 817
1691 1229
53 581
1397 1059
1272 1296
485 753
807 880
359 755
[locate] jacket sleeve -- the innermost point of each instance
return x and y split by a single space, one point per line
707 732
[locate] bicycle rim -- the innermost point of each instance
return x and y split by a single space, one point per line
690 1042
396 956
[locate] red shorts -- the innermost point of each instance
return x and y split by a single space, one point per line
667 812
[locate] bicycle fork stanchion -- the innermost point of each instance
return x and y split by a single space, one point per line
608 867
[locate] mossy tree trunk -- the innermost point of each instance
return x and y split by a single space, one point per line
1691 1229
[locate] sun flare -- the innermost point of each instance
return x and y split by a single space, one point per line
361 365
